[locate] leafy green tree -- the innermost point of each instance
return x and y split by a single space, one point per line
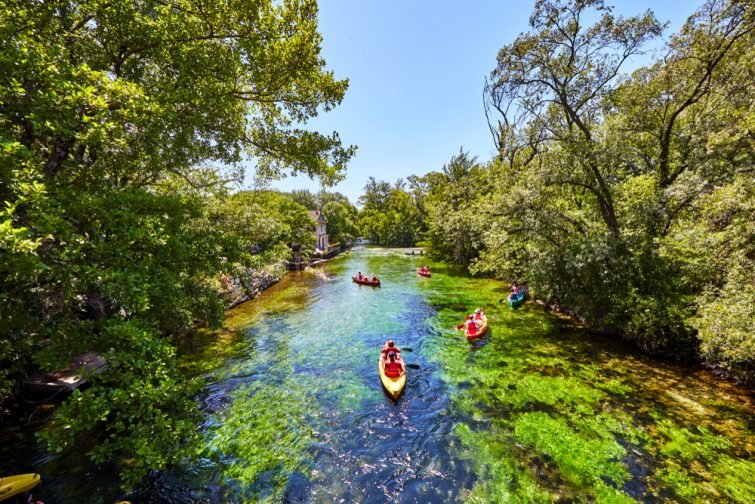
594 172
556 77
455 231
342 221
389 215
113 229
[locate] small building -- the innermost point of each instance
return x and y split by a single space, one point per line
321 233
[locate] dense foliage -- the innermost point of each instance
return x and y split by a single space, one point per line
390 215
603 180
113 229
626 198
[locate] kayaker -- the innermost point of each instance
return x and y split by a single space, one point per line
471 326
515 290
374 278
392 368
478 314
390 347
360 276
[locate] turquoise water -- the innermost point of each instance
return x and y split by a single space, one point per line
535 411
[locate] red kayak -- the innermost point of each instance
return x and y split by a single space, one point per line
366 281
482 328
424 273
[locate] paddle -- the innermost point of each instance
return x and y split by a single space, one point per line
459 326
413 366
403 349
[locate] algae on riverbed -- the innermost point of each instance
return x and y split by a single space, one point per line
558 414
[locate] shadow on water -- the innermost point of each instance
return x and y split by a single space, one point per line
534 411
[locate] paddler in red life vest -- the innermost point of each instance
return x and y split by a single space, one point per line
374 278
392 367
360 277
471 326
478 314
389 347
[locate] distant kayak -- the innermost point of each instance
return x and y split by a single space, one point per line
366 281
393 384
424 273
515 300
15 485
482 328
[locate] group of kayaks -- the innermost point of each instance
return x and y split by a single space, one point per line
394 383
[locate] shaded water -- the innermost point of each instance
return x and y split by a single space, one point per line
535 411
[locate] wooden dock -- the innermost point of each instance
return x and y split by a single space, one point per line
68 379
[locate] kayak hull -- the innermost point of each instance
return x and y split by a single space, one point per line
394 386
480 331
366 282
515 301
11 486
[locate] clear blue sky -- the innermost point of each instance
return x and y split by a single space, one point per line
416 69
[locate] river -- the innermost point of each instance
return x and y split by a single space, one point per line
535 411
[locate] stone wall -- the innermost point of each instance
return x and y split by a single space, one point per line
248 283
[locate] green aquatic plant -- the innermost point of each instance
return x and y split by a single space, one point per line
583 459
264 437
679 481
501 477
686 445
709 467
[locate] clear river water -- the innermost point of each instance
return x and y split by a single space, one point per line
537 410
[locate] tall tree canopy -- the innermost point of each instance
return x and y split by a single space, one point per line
624 198
114 221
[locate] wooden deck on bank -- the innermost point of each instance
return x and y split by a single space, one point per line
68 379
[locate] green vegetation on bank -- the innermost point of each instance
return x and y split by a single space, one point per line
625 198
116 224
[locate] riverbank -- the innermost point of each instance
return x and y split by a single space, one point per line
691 356
248 283
535 411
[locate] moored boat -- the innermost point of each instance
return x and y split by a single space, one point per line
482 328
366 281
15 485
393 384
516 300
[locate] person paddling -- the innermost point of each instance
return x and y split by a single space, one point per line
392 367
388 348
471 325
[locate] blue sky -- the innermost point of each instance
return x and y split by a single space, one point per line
416 69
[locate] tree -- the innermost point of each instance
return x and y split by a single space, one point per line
600 179
389 215
342 221
453 196
110 114
554 80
